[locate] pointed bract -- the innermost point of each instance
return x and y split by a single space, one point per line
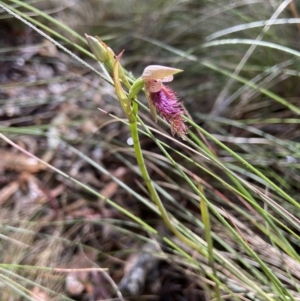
125 102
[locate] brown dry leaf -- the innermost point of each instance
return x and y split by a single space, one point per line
88 213
74 286
38 295
89 127
80 208
20 162
110 189
7 191
33 186
76 205
77 281
48 49
119 172
57 191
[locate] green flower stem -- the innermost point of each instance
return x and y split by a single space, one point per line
130 107
137 86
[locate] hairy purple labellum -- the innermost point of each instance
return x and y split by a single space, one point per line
168 107
162 99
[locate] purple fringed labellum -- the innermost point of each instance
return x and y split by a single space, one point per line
162 99
168 107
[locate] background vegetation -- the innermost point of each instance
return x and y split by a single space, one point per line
84 227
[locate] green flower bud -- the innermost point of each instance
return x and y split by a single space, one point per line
98 48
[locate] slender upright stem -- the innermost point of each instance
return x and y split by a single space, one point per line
130 107
154 195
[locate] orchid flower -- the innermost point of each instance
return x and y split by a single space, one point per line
162 99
